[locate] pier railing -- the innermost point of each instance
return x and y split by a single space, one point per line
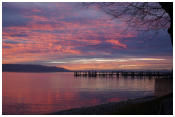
119 73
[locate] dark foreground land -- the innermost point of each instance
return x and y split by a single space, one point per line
143 106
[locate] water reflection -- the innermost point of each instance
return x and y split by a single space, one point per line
41 93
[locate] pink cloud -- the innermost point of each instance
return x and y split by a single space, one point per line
60 37
116 43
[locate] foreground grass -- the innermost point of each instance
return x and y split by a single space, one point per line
144 106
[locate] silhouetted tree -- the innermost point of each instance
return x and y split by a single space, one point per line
141 15
168 7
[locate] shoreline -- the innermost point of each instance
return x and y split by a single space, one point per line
149 105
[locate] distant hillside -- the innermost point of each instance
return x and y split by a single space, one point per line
31 68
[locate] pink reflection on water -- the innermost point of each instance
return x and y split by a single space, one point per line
115 99
42 93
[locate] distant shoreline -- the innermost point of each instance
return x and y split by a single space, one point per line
31 68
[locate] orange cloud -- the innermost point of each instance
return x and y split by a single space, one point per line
117 43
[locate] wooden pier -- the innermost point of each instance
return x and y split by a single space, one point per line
119 73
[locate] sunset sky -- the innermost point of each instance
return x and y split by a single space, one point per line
72 36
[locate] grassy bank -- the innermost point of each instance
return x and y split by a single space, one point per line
142 106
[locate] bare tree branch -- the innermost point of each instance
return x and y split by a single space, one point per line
140 15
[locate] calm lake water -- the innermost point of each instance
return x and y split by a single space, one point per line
42 93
